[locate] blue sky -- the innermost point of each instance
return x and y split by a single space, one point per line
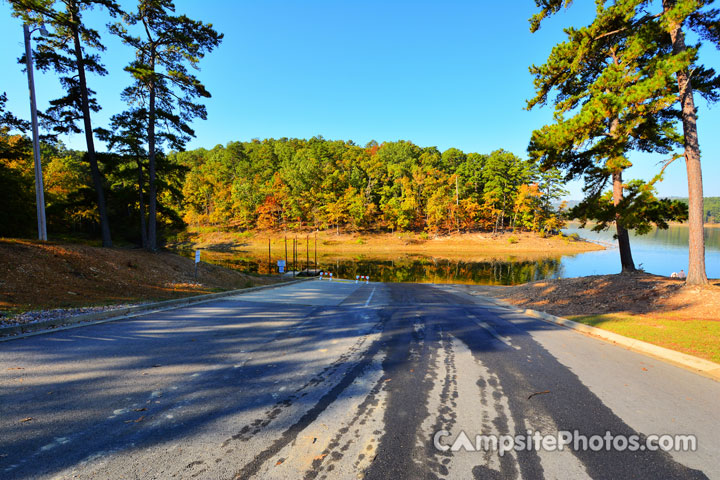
448 74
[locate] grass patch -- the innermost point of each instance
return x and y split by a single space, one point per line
700 338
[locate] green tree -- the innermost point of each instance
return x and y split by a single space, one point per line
551 185
677 13
503 173
16 175
126 136
167 45
691 76
471 178
641 209
66 50
614 88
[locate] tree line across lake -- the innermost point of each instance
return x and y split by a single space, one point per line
290 184
711 209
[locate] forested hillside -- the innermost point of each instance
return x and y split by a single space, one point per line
290 183
69 195
711 210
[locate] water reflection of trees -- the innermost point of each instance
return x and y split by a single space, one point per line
411 269
675 236
449 271
678 236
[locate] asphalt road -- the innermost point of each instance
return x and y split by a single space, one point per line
338 380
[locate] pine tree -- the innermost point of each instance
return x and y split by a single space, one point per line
163 85
503 173
691 76
65 51
676 13
126 136
613 81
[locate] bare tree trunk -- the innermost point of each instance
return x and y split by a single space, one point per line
152 207
623 237
696 262
502 215
85 107
457 204
141 186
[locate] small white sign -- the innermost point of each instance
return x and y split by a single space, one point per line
197 256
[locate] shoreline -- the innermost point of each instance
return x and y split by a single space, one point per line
329 243
576 224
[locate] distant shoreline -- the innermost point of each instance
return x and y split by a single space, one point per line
464 245
706 225
671 224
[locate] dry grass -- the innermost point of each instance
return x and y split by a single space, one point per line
36 275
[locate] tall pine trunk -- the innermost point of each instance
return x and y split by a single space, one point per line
696 262
85 107
623 237
152 207
141 186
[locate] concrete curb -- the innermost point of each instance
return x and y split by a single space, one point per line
700 366
22 331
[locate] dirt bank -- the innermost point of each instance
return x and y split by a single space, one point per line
601 294
36 275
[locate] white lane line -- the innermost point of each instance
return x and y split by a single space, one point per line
370 297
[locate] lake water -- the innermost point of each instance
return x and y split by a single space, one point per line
660 252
